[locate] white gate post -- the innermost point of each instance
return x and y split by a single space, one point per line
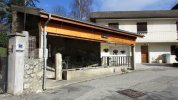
58 65
16 63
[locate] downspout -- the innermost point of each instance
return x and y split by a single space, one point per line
45 52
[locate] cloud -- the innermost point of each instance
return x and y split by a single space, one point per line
131 5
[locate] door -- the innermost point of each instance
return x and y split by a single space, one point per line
144 54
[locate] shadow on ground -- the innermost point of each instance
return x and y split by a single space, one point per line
160 65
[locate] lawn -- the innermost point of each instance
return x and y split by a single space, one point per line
3 52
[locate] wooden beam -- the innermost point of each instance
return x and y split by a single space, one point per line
71 31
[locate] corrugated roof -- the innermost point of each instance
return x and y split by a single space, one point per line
134 14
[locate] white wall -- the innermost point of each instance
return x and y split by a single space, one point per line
155 50
161 35
138 53
159 30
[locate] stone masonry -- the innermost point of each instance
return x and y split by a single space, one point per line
33 75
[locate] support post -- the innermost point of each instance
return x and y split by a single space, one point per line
40 51
44 60
58 69
45 52
133 57
16 60
108 61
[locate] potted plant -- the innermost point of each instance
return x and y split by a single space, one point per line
122 51
115 52
106 50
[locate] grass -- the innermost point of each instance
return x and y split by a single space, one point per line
3 52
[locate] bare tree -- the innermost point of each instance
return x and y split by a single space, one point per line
31 3
59 10
81 8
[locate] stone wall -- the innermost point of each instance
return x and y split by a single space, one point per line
33 75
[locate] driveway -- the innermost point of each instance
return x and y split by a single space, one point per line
154 82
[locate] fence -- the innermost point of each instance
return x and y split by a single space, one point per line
116 60
32 47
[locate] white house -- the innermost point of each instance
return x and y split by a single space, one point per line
160 28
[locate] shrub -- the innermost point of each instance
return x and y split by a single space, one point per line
3 39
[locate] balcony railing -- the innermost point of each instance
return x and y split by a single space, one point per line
116 61
159 36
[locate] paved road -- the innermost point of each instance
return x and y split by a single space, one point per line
157 82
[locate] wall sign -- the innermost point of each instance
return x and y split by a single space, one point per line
20 47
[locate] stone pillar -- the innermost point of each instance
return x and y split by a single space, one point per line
133 57
16 63
58 64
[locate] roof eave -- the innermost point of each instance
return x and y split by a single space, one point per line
81 23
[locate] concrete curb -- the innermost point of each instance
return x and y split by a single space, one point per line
86 80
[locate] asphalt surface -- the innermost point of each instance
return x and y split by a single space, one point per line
157 82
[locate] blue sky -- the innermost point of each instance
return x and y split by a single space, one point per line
113 5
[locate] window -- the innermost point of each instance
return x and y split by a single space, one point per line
173 49
142 27
114 25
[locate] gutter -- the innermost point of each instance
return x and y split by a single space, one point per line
45 52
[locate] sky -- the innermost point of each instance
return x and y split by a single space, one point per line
113 5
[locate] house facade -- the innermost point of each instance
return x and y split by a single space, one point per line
47 46
158 27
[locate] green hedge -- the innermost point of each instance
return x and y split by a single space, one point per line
3 52
3 43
